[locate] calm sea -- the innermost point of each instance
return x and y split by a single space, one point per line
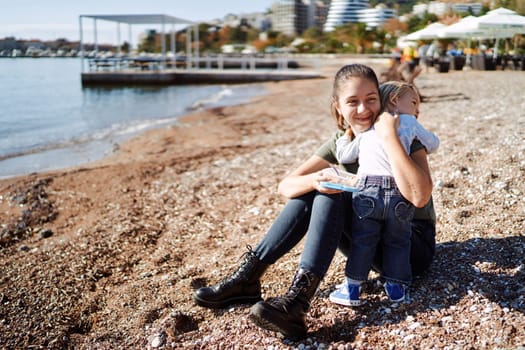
49 121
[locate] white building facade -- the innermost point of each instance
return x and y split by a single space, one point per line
357 11
376 17
441 8
293 17
343 11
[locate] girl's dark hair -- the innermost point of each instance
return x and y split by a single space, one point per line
346 72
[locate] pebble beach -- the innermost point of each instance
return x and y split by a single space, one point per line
106 255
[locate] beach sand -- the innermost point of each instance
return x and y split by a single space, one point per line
106 255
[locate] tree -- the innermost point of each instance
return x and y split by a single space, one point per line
148 44
395 26
312 33
125 47
416 22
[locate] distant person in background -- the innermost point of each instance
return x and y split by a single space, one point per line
409 58
422 53
403 67
431 55
394 70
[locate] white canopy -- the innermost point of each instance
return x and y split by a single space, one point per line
503 22
428 33
496 24
467 28
140 19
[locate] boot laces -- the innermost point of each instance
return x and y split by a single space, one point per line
247 259
300 282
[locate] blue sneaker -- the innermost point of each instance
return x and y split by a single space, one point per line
395 291
346 294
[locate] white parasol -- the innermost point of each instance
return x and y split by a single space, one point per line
430 32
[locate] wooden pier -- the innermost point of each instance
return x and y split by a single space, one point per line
190 68
217 70
201 76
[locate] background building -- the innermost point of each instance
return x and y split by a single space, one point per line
441 8
293 17
343 11
376 17
285 17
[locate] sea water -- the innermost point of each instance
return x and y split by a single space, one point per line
49 121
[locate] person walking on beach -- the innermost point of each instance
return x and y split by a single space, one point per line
381 215
321 213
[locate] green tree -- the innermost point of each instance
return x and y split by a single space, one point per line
417 23
148 44
312 33
125 47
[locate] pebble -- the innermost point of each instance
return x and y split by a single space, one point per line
254 211
24 248
409 337
45 233
414 325
446 319
501 185
158 340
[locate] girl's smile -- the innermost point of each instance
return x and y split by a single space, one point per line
359 103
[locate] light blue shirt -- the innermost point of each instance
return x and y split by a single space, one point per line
369 149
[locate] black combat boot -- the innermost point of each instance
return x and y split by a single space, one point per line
242 287
287 314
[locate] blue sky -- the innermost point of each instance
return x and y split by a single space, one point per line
52 19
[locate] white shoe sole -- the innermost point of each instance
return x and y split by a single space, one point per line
344 302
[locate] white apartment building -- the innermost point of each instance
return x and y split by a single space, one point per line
284 17
343 11
474 8
376 17
441 8
256 20
436 7
353 11
292 17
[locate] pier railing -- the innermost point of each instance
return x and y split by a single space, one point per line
220 62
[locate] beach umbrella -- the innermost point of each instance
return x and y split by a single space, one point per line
501 23
430 32
496 24
466 28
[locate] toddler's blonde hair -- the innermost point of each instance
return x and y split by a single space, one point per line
392 90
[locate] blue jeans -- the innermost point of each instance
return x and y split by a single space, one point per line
324 238
320 217
381 215
422 247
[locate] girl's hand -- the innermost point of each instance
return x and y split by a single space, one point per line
324 175
386 125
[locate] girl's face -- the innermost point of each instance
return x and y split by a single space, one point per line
358 103
408 103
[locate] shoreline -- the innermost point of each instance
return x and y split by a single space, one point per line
112 250
69 155
103 143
